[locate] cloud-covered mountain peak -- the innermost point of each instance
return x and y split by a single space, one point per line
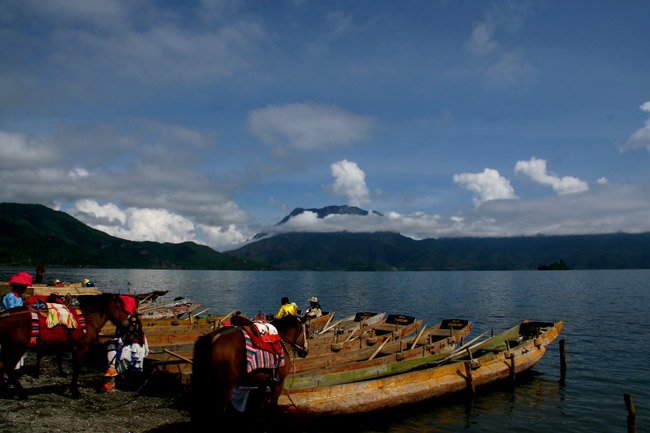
329 210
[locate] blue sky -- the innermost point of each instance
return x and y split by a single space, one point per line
211 120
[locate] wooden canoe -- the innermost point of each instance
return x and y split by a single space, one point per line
490 362
345 329
364 338
315 325
387 359
74 289
431 338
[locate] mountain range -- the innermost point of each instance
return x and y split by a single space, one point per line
30 233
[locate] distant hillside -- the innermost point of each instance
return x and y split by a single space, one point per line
380 251
32 233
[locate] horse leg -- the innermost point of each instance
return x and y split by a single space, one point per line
10 358
272 403
59 363
78 356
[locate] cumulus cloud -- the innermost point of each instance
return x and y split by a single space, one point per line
536 170
223 237
156 225
489 185
308 127
640 138
350 181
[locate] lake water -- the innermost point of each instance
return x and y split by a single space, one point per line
606 328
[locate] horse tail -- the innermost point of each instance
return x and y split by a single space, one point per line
202 378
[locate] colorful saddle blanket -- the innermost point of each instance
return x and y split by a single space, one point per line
260 358
264 336
41 333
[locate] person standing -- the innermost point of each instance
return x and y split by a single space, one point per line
40 272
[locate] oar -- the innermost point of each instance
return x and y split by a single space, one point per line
452 354
419 335
328 321
178 356
336 323
380 347
197 314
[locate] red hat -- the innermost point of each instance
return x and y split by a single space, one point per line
21 278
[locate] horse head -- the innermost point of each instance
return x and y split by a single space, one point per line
292 330
116 310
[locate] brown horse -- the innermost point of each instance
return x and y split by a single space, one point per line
219 365
15 331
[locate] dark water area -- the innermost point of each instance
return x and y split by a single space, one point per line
606 327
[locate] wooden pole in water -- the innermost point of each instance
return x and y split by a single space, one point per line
512 368
631 413
470 381
563 357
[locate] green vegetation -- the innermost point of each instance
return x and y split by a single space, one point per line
392 251
32 233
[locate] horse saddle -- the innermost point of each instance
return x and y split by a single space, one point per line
264 336
44 330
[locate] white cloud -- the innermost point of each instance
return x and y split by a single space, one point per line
603 181
640 138
536 170
308 126
78 173
136 224
19 151
500 67
224 237
109 213
509 71
489 184
608 209
350 182
482 41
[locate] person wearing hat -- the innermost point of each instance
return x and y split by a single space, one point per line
14 298
314 309
88 283
18 284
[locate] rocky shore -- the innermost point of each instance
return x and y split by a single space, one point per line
135 406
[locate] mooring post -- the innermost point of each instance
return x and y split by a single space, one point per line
470 381
512 368
631 413
563 357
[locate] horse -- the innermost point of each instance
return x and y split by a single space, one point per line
15 332
219 364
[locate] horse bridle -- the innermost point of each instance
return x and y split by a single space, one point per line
295 345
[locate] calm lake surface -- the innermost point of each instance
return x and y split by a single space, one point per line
606 326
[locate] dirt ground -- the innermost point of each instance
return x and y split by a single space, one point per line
136 406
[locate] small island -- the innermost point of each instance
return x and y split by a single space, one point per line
555 266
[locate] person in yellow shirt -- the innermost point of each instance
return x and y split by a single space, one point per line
286 309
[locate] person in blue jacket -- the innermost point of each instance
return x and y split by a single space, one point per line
18 284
